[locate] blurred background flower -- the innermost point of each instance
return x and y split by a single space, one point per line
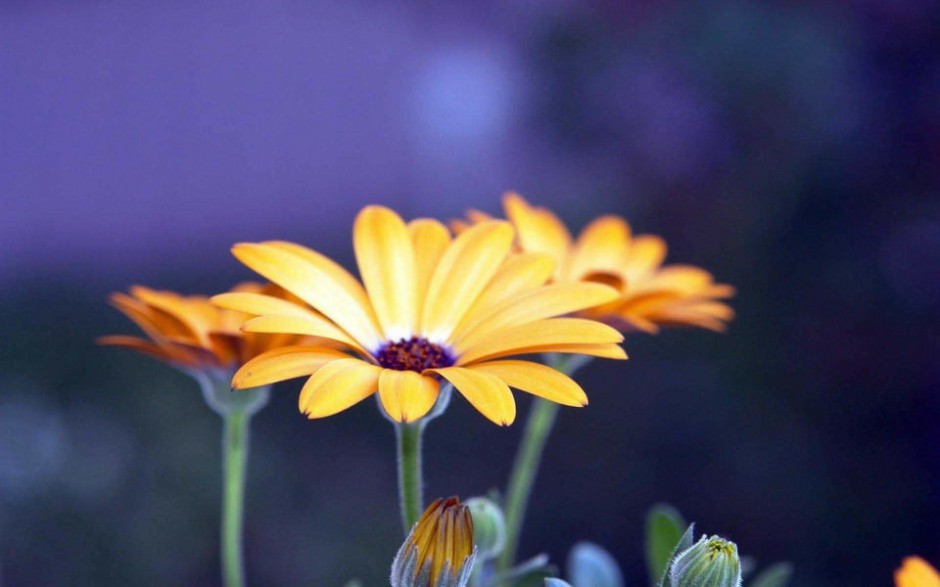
790 147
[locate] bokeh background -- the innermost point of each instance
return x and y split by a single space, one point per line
790 147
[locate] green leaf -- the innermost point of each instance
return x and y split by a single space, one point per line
777 575
684 544
664 528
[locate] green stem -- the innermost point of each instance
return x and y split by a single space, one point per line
234 469
538 427
409 472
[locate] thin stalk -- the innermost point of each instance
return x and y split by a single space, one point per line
539 424
410 481
234 469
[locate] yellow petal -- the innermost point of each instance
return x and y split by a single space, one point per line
485 392
406 395
518 273
466 267
192 312
536 379
258 304
604 351
542 334
146 347
317 281
283 363
538 230
430 239
916 572
304 325
647 253
602 247
386 261
338 385
157 324
539 303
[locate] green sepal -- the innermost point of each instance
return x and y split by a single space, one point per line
664 528
777 575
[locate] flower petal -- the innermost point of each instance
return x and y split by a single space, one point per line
539 231
519 272
601 247
406 395
386 261
539 303
146 347
283 363
542 334
305 325
316 280
155 323
337 386
604 351
430 239
466 267
258 304
536 379
916 572
647 253
194 313
485 392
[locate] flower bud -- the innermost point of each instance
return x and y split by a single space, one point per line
710 562
439 550
489 527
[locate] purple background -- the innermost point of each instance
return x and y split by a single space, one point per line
790 147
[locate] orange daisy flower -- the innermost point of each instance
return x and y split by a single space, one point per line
430 307
606 251
191 333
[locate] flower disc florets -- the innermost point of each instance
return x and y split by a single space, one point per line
413 354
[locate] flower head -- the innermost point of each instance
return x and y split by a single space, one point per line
429 307
439 550
606 251
191 333
916 572
710 562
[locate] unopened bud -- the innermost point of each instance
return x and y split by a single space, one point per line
489 527
439 550
710 562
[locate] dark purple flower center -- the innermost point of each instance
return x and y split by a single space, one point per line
413 354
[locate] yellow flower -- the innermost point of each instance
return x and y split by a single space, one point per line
189 332
651 295
916 572
431 307
439 550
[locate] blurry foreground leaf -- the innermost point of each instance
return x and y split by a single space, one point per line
530 573
777 575
354 583
664 528
589 565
